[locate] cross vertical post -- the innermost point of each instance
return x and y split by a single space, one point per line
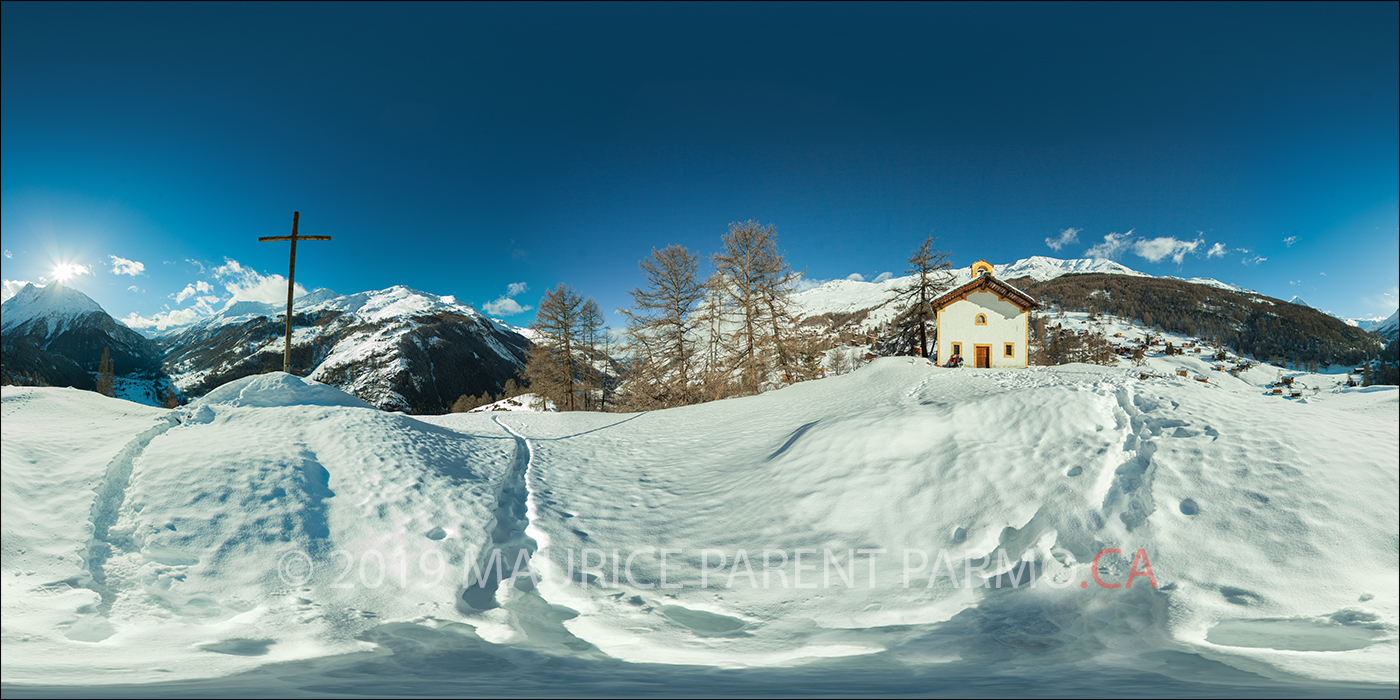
291 283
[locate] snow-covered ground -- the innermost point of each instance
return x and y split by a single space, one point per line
143 544
523 402
857 534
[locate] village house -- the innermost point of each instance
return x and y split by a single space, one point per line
986 321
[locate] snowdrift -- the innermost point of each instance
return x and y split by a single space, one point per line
147 544
909 495
909 515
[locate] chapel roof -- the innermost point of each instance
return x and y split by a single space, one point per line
989 283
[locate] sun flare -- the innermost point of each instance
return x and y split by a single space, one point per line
63 272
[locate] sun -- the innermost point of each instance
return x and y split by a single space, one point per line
66 271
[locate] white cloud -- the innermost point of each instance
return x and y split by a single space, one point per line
8 254
883 276
1163 247
247 284
11 288
1288 242
205 305
1150 249
1295 282
161 321
856 277
1113 244
1066 237
803 284
191 289
122 266
504 306
1254 260
1324 274
132 288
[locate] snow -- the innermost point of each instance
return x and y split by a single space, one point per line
1212 282
525 331
367 307
377 323
1270 525
1090 458
846 295
54 305
1388 327
1041 268
522 403
160 544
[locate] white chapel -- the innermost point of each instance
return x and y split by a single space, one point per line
986 321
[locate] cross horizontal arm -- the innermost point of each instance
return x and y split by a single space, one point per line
288 238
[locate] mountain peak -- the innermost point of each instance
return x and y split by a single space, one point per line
55 302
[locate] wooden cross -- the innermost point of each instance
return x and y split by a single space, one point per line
291 282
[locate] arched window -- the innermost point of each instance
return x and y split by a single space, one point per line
981 319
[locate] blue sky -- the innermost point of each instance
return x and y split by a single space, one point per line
492 151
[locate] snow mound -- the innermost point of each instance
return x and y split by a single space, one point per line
917 517
279 389
145 544
890 510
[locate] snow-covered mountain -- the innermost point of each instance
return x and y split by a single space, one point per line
1389 328
46 311
848 311
847 296
1299 301
55 335
1041 268
397 348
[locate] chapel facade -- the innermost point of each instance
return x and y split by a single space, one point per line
986 322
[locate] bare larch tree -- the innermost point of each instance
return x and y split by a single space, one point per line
553 364
757 282
661 329
931 275
593 347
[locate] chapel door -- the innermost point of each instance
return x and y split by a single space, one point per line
984 356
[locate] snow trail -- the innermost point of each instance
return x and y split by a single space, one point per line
106 507
510 545
515 540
